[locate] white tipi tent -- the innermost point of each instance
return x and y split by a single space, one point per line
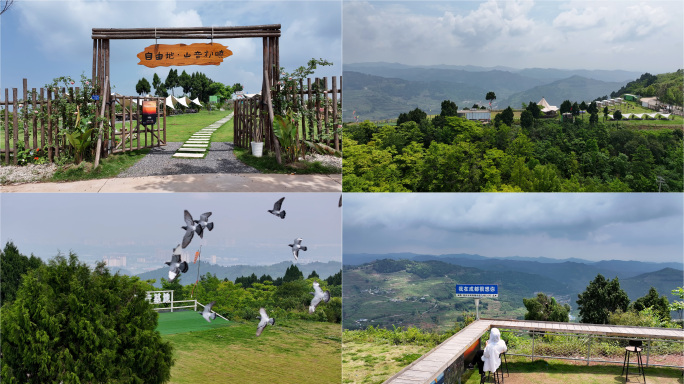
546 107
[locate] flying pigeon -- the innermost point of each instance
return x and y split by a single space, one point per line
207 314
264 320
190 228
276 208
296 247
319 295
176 266
202 223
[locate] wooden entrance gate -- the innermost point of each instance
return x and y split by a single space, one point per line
270 35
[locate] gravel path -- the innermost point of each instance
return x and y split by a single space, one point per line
219 159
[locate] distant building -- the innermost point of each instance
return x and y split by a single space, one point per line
476 115
630 97
649 102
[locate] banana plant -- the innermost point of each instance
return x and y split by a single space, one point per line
80 138
285 131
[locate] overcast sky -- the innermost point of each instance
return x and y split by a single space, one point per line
45 39
629 35
149 225
627 226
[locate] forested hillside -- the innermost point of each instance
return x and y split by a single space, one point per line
668 87
451 154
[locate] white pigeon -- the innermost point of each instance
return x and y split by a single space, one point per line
190 228
319 295
202 223
296 247
176 266
207 313
276 208
264 320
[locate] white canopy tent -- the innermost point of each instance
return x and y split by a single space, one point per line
546 107
196 101
169 102
182 101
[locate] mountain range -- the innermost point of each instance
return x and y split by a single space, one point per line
377 91
323 270
635 277
410 289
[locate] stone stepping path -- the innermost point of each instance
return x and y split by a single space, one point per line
198 144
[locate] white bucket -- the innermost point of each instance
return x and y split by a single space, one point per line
257 148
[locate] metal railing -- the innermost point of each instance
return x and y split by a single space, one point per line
647 346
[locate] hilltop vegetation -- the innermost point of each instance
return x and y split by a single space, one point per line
668 87
450 154
400 292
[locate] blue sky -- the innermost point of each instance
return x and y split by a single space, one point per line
148 226
627 226
644 36
45 39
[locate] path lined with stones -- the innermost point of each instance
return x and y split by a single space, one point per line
198 144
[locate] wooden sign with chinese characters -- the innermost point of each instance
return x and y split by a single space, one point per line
166 55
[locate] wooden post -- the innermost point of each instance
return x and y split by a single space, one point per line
336 137
15 124
49 125
7 140
27 143
34 119
98 146
270 117
325 110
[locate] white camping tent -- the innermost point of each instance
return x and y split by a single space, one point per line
181 101
547 107
169 102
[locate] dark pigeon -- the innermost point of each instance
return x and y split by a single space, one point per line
176 266
296 247
202 223
276 208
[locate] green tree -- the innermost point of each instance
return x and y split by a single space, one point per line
172 81
599 299
449 108
313 275
566 106
156 82
526 119
292 274
185 82
534 109
617 116
678 305
14 267
545 308
490 97
507 116
659 304
143 86
73 324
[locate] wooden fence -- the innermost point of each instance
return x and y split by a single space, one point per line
319 120
29 122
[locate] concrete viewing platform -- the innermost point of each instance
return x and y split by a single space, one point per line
445 362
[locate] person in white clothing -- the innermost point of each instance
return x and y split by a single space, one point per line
489 360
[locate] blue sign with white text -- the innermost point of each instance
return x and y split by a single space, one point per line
477 290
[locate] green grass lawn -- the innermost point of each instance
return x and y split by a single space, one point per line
522 370
180 127
292 351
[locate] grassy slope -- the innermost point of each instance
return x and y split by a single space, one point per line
292 351
376 362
